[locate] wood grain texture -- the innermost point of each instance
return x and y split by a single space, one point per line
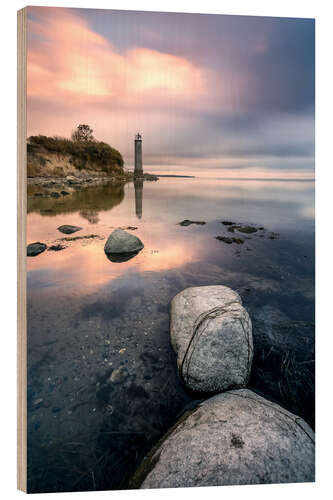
21 252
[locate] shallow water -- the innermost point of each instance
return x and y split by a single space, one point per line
88 316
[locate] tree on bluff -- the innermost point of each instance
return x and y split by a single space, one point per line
83 133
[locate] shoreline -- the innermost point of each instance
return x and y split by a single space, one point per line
74 183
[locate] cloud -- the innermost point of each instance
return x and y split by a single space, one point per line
71 62
212 91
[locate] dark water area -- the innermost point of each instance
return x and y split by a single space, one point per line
102 375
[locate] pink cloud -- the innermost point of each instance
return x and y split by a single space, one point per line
67 61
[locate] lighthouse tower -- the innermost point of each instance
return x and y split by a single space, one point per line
138 172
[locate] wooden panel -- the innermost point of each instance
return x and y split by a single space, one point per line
21 252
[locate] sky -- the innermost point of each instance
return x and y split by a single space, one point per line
212 95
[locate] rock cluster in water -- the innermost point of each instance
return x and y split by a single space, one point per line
120 246
243 230
237 436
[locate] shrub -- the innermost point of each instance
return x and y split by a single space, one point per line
82 153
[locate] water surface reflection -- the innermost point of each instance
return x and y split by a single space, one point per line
102 378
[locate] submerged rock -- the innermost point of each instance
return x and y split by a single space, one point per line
211 333
35 249
86 237
187 222
120 375
243 229
225 239
234 438
68 229
246 229
122 246
56 248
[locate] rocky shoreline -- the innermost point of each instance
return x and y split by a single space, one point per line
55 187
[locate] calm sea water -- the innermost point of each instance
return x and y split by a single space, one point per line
89 317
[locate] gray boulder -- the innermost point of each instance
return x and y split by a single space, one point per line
122 243
35 249
68 229
211 333
233 438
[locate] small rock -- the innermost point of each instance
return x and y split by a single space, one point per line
35 249
73 180
226 239
122 244
64 193
56 248
38 402
68 229
246 229
187 222
119 375
55 194
227 223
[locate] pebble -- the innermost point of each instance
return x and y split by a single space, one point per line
38 401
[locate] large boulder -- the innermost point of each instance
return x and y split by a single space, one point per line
233 438
121 245
211 333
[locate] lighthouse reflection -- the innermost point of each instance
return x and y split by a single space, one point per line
138 186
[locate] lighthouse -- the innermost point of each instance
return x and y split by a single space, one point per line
138 172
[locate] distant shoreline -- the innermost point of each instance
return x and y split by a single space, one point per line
275 179
282 179
170 175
